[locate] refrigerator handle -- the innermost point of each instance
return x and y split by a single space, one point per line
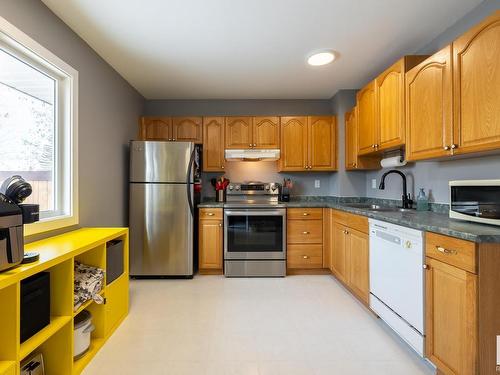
188 182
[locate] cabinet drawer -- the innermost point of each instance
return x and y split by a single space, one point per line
353 221
305 213
211 213
453 251
305 231
304 256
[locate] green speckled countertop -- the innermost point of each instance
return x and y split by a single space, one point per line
437 222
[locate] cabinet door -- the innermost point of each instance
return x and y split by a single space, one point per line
238 134
213 144
339 252
266 132
322 143
429 107
210 257
293 144
390 92
358 263
451 318
351 147
352 160
367 127
155 128
476 72
187 129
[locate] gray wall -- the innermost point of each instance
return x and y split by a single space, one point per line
108 112
345 183
434 176
241 171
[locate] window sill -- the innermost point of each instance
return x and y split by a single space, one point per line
48 225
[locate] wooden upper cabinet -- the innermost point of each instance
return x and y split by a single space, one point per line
238 133
451 319
367 127
294 142
213 144
476 72
429 108
352 161
155 128
351 139
390 88
322 143
187 129
266 132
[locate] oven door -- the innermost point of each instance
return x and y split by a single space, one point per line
255 234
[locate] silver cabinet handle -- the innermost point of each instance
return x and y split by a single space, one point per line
210 214
454 146
220 224
443 250
255 145
306 256
305 214
446 148
305 232
250 145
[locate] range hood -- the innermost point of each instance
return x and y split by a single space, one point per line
252 155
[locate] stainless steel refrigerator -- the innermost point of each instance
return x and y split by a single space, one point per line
161 210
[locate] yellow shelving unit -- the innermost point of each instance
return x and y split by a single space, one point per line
55 341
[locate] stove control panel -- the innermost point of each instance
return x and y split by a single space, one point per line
253 188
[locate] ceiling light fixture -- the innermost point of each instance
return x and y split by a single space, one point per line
321 58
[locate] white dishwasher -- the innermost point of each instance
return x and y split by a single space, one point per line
397 280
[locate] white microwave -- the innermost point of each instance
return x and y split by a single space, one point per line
475 200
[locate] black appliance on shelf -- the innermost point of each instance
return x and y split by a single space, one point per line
11 235
13 214
35 304
114 260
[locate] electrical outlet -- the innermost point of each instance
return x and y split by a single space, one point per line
317 184
374 183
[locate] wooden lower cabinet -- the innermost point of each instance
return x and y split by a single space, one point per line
358 262
304 239
451 296
210 240
350 253
461 301
339 252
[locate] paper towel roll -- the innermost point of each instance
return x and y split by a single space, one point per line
394 161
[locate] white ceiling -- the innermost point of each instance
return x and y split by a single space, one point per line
253 49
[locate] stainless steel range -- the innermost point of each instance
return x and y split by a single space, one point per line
254 231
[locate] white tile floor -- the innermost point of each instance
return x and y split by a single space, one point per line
213 325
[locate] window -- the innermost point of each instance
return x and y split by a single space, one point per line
38 122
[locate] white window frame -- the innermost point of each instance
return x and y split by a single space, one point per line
66 144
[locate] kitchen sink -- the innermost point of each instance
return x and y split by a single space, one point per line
378 208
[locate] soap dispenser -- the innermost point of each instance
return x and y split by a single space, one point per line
422 201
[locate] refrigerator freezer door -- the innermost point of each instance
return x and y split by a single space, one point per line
156 161
161 230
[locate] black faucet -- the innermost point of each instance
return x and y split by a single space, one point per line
407 201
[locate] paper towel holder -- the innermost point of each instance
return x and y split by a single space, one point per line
393 161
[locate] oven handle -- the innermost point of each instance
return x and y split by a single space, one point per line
255 213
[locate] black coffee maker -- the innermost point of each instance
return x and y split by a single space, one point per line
13 214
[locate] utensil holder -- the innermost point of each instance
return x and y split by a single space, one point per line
220 195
